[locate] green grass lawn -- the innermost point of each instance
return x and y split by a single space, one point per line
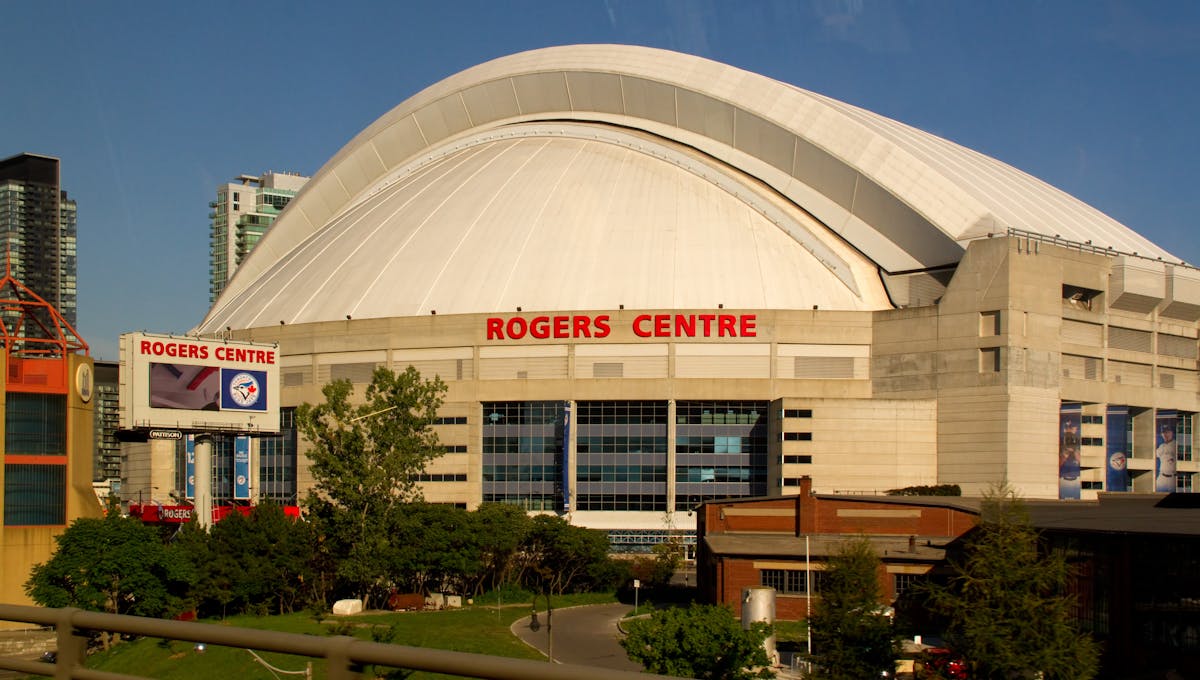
478 629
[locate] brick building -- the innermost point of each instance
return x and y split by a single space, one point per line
1134 558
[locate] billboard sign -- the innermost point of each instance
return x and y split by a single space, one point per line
1069 420
198 385
566 457
1166 422
190 467
241 469
1117 440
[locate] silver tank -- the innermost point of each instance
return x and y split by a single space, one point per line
758 604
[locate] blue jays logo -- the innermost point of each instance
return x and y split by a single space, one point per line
244 390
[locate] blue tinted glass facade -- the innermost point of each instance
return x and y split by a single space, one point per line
523 453
277 462
720 451
621 447
35 424
35 495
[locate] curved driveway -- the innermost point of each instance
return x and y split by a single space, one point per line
581 635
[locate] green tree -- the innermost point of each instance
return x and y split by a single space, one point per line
701 641
501 528
561 557
668 556
366 459
851 631
259 562
435 548
1006 604
116 565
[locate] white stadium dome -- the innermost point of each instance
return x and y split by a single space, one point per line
598 176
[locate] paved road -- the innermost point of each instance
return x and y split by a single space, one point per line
581 635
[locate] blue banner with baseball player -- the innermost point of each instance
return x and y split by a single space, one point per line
1166 422
566 457
1069 419
1116 438
241 468
189 448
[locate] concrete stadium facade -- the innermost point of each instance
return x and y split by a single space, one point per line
729 284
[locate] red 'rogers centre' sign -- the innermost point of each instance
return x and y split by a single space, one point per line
192 350
578 326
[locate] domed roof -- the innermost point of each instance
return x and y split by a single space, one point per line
588 177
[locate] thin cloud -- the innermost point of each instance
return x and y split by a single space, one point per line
873 26
1130 28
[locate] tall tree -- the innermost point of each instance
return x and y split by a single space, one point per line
436 548
561 557
116 565
1006 602
851 631
701 641
366 460
501 528
259 562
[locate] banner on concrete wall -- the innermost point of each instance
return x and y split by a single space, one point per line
190 471
1116 439
1069 419
241 468
566 457
1166 422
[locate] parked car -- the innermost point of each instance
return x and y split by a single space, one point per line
940 663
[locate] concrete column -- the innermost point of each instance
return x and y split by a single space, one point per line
203 488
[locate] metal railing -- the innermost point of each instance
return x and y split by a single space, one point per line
344 656
1084 246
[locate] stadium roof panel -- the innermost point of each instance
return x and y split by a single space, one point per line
583 177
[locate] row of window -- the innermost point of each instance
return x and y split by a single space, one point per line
719 444
523 412
622 413
442 477
720 473
525 501
532 444
795 581
521 473
610 502
719 412
1183 483
621 473
626 413
621 444
790 581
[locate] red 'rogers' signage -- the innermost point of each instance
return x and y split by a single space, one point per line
644 326
190 350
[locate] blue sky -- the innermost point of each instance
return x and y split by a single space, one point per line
151 104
